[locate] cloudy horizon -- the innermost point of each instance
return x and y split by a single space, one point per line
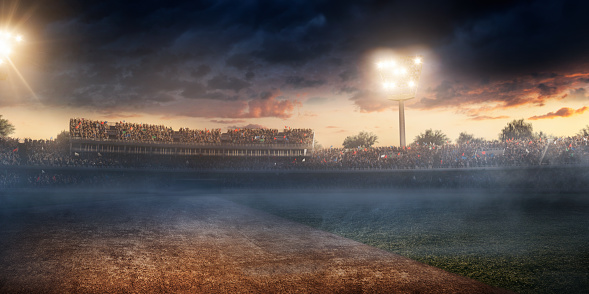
303 64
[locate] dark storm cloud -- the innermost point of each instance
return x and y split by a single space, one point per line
368 101
526 53
533 89
523 37
194 91
316 100
201 71
117 54
348 90
349 74
223 82
579 94
546 90
266 95
299 82
143 54
280 51
240 61
217 95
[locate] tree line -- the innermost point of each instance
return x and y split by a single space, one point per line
517 129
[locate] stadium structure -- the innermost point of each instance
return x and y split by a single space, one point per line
90 136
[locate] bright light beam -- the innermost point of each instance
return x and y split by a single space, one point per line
5 49
23 79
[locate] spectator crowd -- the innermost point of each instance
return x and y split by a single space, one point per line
481 154
56 153
123 131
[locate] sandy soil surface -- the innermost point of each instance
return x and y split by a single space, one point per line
195 244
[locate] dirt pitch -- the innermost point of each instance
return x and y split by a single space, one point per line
197 244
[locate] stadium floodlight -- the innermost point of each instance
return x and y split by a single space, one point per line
400 78
7 40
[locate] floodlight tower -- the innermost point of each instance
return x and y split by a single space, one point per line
399 79
7 40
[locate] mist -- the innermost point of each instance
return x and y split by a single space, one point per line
524 230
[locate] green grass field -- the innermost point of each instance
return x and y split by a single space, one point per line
525 242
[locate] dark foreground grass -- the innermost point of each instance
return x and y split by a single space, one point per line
525 242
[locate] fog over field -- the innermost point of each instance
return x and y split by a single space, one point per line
525 242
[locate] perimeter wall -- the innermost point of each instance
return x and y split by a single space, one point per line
540 178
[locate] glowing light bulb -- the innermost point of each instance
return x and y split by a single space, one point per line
4 48
417 60
388 85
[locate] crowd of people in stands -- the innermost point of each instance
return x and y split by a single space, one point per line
81 128
123 131
268 136
56 153
481 154
9 151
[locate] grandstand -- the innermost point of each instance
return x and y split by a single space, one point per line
91 136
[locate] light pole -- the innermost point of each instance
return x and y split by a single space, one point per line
7 40
399 79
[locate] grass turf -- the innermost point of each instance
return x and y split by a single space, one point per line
528 243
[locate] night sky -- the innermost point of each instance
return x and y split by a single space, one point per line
300 64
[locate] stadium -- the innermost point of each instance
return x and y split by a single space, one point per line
127 145
262 163
187 148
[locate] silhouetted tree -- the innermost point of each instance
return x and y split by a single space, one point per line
541 135
584 132
431 137
465 137
6 128
517 129
363 139
63 139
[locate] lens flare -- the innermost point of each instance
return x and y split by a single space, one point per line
7 41
4 49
